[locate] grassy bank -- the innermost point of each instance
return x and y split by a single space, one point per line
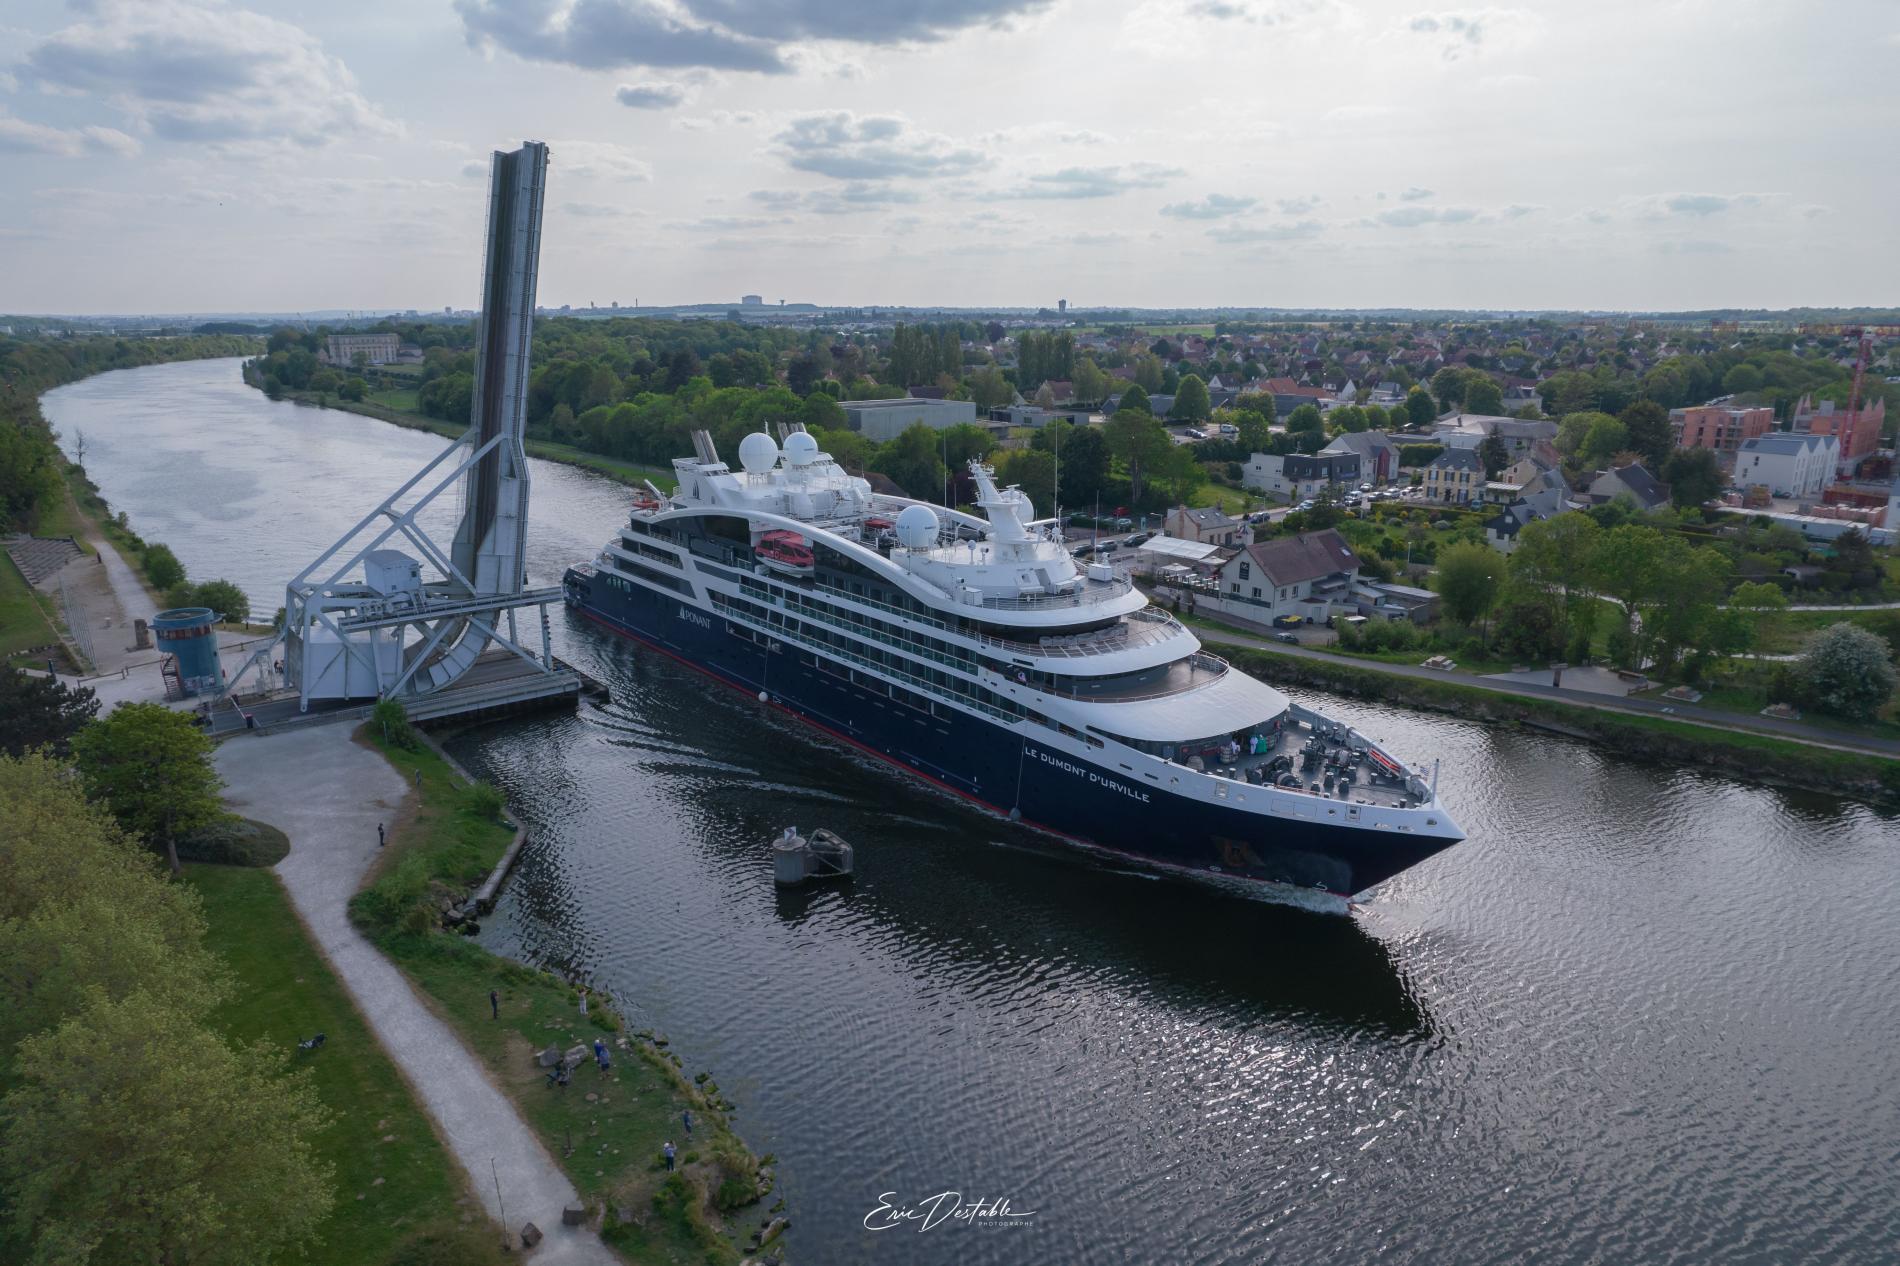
26 621
397 408
606 1129
1749 755
400 1198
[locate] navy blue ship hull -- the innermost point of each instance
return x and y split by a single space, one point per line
1087 803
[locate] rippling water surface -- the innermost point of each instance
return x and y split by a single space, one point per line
1640 1013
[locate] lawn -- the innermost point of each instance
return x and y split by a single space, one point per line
606 1129
397 1189
1792 628
401 399
1230 500
24 623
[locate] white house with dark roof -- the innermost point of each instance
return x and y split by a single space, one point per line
1208 525
1787 464
1290 575
1378 454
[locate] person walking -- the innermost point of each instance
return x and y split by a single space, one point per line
494 1004
600 1055
380 840
583 1000
686 1119
667 1151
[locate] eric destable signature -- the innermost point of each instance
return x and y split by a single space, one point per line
945 1206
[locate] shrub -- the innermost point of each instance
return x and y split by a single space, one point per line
392 719
162 567
483 799
1847 671
230 602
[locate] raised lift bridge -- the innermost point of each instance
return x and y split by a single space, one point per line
416 628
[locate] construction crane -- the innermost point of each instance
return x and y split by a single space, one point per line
1860 376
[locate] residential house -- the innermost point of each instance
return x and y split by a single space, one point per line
1289 395
1788 465
1633 481
1500 531
1378 454
1299 475
1208 526
1455 477
1289 575
1721 427
1519 435
372 349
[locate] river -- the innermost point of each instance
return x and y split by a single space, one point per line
1641 1013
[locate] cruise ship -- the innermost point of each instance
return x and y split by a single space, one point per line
972 650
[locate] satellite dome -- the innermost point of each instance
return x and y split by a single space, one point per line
917 528
757 453
800 448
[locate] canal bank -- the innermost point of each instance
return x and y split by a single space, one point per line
1743 754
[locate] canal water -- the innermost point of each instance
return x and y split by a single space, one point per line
1640 1014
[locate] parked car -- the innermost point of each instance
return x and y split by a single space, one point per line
1288 621
1365 487
1228 428
1139 538
1107 547
1123 523
1196 433
1288 638
1083 551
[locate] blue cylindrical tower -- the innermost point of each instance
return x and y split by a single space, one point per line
190 636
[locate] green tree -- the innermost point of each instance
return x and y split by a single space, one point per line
1573 429
1084 459
1847 671
1494 455
820 410
162 567
1606 438
1137 440
1448 387
1190 401
912 461
1419 409
1306 418
1646 424
137 1136
152 768
223 597
1694 477
40 711
1470 576
1483 395
990 390
1134 398
1091 384
1742 378
1761 605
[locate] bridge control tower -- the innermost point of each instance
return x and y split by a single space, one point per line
369 619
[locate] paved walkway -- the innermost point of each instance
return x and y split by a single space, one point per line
327 794
1800 731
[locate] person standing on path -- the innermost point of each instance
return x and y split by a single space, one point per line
668 1152
600 1055
380 840
494 1005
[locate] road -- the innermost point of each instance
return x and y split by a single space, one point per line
1799 731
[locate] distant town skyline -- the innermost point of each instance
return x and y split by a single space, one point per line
196 156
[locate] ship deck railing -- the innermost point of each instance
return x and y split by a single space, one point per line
1140 628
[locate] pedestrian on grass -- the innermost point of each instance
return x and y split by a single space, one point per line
418 780
667 1151
601 1057
686 1119
583 1001
560 1078
494 1004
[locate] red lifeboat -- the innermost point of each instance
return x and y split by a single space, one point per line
785 551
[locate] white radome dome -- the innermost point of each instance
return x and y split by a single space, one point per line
917 528
801 449
757 453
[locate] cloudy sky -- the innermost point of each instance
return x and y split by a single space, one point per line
199 155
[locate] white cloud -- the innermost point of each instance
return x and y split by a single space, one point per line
1467 33
845 146
1096 182
17 136
1245 234
1214 206
596 160
650 96
204 71
1415 194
